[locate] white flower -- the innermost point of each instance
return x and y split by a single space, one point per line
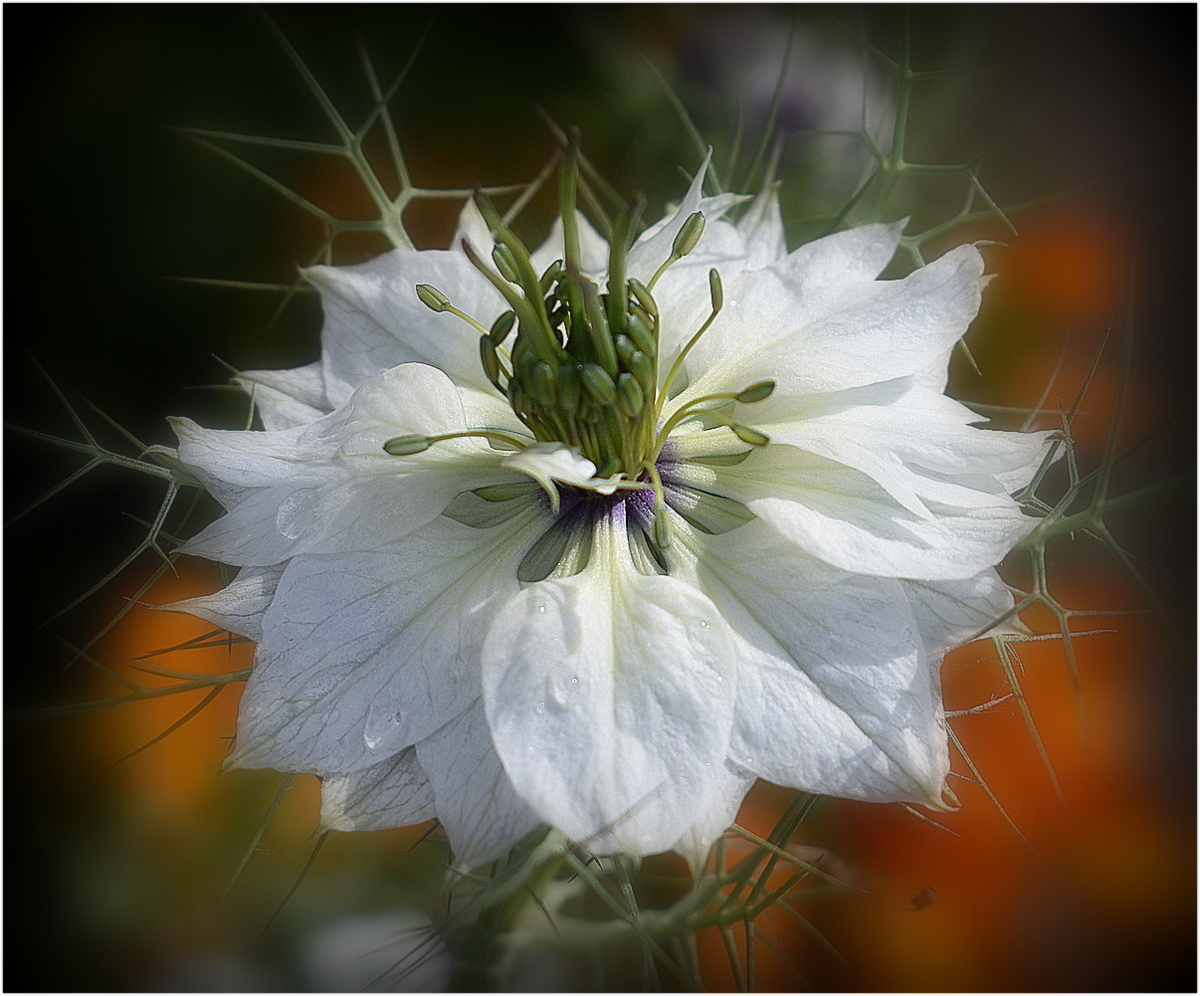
669 533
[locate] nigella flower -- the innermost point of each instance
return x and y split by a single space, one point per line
597 535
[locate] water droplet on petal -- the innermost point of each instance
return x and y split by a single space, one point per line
382 727
704 624
705 841
296 513
646 838
574 681
720 677
541 707
749 760
541 608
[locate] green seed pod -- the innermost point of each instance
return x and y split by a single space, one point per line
543 386
625 349
569 387
642 367
642 334
517 398
432 298
598 384
630 398
643 297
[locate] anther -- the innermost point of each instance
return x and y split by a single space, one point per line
756 392
688 235
747 435
407 445
432 298
502 326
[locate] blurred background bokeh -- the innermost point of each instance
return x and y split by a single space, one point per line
116 867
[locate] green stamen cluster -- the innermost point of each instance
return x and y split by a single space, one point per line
579 364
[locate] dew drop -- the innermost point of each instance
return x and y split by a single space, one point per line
382 727
574 681
705 841
704 624
296 513
646 838
749 760
720 677
708 764
541 608
541 707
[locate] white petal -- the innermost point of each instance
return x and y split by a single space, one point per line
374 319
287 398
550 462
836 692
919 446
824 267
835 335
848 520
365 653
482 815
472 227
593 250
610 697
951 612
231 464
924 429
393 793
762 228
292 492
727 791
240 606
654 246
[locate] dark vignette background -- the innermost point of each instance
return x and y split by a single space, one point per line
103 203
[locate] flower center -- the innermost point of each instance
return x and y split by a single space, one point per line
580 363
